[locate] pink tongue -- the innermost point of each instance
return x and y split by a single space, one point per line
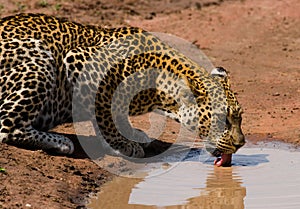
225 160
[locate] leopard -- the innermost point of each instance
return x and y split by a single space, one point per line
54 71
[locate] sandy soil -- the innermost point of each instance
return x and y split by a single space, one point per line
257 41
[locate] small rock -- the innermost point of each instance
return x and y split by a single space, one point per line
198 5
78 173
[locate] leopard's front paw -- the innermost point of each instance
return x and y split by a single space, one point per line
63 146
132 149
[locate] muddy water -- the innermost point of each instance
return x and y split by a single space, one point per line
267 177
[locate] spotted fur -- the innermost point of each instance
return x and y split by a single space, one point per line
55 71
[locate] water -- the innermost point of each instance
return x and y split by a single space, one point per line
267 177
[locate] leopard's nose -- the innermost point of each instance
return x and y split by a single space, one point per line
238 146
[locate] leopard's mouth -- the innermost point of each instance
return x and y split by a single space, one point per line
224 160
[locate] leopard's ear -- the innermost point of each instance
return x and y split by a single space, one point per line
219 71
220 74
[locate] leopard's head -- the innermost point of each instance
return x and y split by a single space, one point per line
229 120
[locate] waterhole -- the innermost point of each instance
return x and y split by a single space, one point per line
266 175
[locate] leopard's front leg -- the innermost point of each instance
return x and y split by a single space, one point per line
129 143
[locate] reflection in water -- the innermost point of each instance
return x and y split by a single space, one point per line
222 189
115 194
252 182
189 185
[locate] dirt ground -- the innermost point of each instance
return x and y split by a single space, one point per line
258 41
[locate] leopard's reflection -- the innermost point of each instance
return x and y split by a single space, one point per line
221 188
